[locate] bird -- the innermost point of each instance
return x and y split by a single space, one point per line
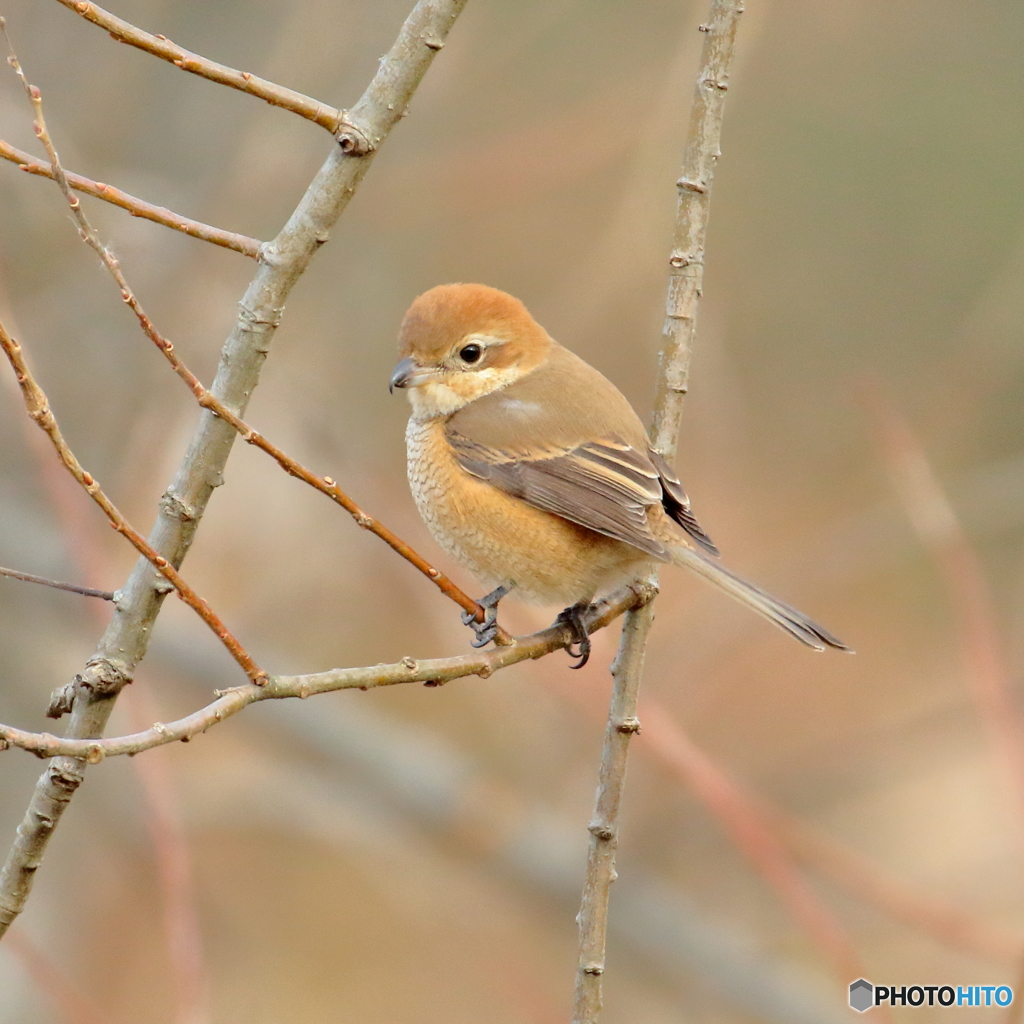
532 469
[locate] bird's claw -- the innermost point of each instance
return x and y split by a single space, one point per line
573 618
487 630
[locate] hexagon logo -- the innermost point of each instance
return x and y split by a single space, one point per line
862 995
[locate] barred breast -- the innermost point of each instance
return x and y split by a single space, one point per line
502 539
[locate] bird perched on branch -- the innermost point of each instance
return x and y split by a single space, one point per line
533 470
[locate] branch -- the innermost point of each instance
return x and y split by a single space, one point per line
209 401
160 46
750 828
106 595
136 207
126 639
326 485
684 290
432 672
39 411
941 533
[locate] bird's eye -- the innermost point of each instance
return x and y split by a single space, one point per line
470 353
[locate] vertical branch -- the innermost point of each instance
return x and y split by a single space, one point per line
684 291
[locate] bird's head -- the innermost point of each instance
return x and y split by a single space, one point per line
459 342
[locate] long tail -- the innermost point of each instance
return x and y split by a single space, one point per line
792 621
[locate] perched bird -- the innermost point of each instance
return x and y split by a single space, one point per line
533 470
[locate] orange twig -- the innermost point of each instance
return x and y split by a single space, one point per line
160 46
71 1005
209 401
135 206
752 833
942 534
39 410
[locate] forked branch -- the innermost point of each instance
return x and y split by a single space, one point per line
126 640
38 408
432 672
208 400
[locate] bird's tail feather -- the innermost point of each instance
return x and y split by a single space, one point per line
792 621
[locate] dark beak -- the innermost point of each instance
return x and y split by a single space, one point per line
403 371
408 373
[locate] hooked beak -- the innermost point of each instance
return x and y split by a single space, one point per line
408 374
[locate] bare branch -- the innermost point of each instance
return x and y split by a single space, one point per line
283 261
136 207
327 486
106 595
39 411
160 46
324 484
687 270
209 401
433 672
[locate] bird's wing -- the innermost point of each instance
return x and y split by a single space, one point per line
677 504
566 440
603 485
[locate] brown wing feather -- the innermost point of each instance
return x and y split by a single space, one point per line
677 504
585 485
567 441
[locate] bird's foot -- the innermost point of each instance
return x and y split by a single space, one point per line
573 618
487 630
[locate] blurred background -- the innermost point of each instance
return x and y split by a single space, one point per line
792 820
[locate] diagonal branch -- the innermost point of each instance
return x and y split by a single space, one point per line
160 46
284 260
684 290
940 531
136 207
209 401
432 672
39 411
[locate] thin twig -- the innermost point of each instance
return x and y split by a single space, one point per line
39 411
752 833
160 46
941 533
209 401
160 809
135 206
106 595
71 1005
863 878
174 872
685 280
919 909
433 672
126 639
326 485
